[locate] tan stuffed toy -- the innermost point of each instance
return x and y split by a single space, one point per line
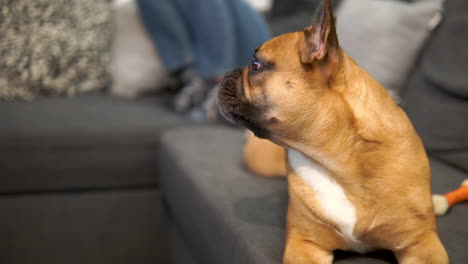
443 202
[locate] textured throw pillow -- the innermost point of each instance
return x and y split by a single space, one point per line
384 36
54 47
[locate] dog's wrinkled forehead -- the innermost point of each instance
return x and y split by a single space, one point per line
279 47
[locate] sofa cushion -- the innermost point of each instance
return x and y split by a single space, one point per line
446 58
180 253
436 96
384 37
439 118
82 142
228 216
97 227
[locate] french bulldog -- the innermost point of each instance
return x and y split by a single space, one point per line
358 174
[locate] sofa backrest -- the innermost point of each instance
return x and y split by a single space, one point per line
436 95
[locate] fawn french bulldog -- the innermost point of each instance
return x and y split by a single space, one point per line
358 174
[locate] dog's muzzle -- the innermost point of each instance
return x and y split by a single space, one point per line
229 95
235 107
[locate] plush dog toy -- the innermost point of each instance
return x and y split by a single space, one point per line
443 202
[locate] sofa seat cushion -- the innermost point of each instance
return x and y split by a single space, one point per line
92 141
95 227
227 215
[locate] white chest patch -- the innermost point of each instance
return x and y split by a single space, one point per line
331 196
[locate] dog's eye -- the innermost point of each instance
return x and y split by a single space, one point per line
255 64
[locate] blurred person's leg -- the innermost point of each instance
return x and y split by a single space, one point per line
224 32
196 41
212 32
251 31
166 27
212 36
241 31
209 23
169 26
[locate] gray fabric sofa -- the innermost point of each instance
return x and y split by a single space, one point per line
224 214
79 181
95 179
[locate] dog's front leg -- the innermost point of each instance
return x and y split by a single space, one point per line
308 239
426 250
301 251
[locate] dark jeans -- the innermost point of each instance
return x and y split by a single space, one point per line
213 35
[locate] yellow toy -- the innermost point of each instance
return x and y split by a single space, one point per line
443 202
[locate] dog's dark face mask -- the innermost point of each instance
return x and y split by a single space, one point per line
236 108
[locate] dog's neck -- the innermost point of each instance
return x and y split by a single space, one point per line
354 121
366 99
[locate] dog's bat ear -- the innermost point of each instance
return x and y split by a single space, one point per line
320 37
